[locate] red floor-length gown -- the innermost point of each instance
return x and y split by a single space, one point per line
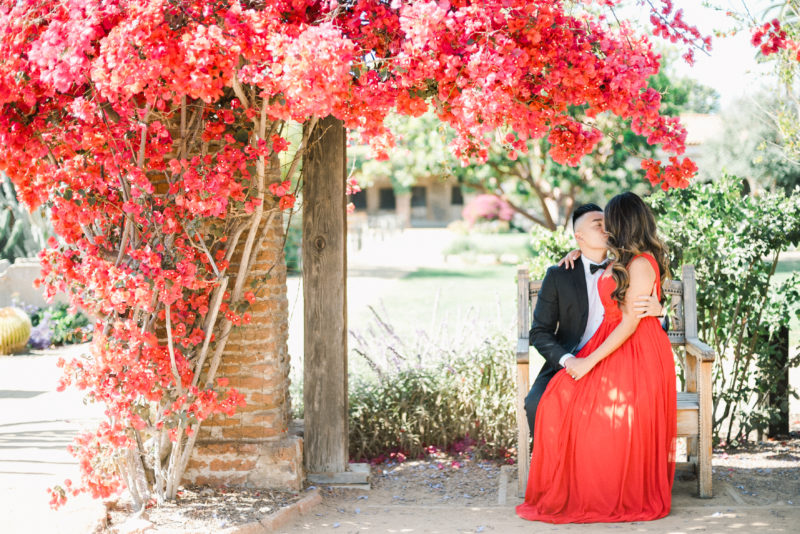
604 445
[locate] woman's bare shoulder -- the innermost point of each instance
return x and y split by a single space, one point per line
640 266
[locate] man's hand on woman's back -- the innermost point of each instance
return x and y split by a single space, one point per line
644 305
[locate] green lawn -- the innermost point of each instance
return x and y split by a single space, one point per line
485 295
432 309
428 298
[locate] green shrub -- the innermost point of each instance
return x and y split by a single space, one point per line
497 245
735 242
415 405
55 325
294 238
459 245
547 247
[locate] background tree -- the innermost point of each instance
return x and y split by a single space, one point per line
775 35
752 147
421 150
532 183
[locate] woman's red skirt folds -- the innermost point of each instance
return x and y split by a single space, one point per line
604 445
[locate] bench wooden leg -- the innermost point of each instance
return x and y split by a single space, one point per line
704 451
523 434
691 451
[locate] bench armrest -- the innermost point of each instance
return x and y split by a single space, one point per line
699 350
523 350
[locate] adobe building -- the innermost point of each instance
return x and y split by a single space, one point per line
430 202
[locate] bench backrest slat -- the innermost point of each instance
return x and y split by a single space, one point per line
679 311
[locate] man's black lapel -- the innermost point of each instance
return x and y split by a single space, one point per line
579 280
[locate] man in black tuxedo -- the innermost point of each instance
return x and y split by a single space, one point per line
568 309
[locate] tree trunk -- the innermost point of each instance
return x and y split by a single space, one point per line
779 398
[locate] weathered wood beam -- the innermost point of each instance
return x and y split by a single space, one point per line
325 299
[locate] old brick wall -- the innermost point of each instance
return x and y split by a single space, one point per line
254 447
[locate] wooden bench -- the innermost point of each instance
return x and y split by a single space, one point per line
695 357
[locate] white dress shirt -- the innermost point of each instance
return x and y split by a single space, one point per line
596 311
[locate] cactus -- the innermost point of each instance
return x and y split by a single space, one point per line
15 329
22 234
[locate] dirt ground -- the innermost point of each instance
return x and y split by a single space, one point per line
198 509
756 489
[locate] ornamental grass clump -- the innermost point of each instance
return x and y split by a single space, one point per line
433 392
410 409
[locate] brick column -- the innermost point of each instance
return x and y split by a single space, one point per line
253 447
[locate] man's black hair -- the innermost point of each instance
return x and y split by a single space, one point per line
583 210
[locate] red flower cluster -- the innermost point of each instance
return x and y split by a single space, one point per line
286 199
771 38
675 175
570 141
670 25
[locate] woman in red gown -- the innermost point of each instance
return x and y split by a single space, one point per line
604 446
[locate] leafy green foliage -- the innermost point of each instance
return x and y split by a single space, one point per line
62 327
735 242
547 248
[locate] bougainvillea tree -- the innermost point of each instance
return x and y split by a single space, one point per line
152 131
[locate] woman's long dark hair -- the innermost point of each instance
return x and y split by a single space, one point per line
632 230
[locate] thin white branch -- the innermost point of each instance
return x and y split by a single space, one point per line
171 347
237 89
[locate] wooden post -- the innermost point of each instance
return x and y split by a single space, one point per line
523 378
325 299
702 374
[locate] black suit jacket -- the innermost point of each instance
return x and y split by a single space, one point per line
561 312
559 321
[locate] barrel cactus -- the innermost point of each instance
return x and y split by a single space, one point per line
15 329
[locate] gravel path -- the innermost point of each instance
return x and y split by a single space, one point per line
36 425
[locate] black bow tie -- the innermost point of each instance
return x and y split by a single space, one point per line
593 268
